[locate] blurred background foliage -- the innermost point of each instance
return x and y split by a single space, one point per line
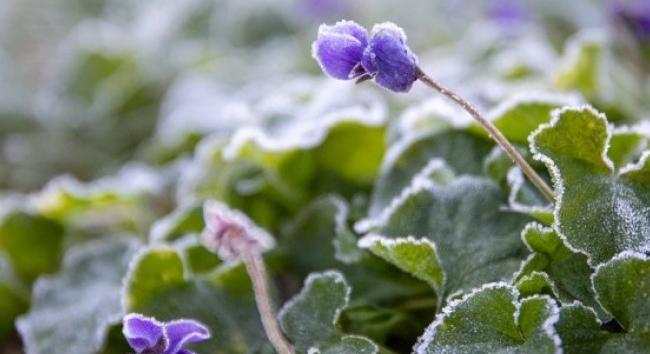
119 117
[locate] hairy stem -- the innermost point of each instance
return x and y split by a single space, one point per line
494 134
259 277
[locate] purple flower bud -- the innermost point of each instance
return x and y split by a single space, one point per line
344 52
338 49
229 233
147 335
388 59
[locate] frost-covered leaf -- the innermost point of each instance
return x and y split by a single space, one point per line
535 283
416 257
519 116
525 198
627 144
582 67
461 151
112 204
476 241
272 177
568 270
600 211
493 319
497 164
622 286
311 242
580 330
590 69
72 310
33 244
159 284
185 219
310 318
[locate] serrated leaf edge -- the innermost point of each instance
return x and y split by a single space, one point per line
555 171
368 241
418 183
625 255
308 284
548 325
71 257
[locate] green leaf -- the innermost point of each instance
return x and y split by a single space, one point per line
476 241
623 289
580 330
526 199
14 298
626 144
581 69
519 116
416 257
497 164
461 151
32 243
535 283
183 220
119 203
310 318
492 319
160 285
72 310
599 211
199 259
271 177
310 242
590 68
567 269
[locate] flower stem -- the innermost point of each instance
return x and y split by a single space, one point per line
493 132
259 277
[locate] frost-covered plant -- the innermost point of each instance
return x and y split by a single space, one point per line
272 211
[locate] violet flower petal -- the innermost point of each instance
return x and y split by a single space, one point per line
143 333
339 48
182 332
388 58
635 16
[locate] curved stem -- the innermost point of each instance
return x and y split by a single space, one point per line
259 277
494 134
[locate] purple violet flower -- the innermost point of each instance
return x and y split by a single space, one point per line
635 16
229 233
508 14
147 335
344 52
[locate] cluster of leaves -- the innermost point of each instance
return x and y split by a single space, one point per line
400 226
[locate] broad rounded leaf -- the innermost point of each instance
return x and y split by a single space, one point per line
599 211
567 269
310 318
622 286
72 310
493 319
417 257
476 242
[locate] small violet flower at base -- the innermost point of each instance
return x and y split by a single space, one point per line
345 52
146 335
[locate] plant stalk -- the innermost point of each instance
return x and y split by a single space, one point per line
259 277
493 132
